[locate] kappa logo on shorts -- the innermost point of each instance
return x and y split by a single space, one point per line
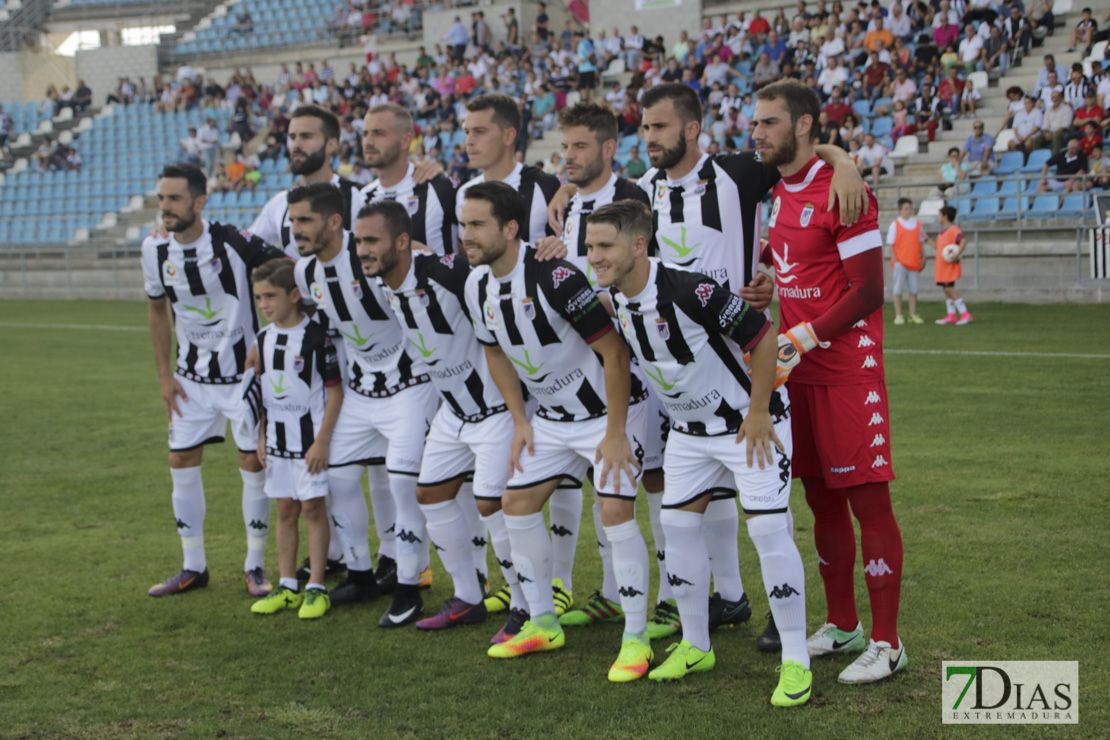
869 362
872 397
879 462
878 441
865 341
876 418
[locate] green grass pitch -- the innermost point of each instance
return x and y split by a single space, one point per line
1002 471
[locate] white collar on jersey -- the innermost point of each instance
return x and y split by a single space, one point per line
805 183
409 283
611 185
378 182
691 174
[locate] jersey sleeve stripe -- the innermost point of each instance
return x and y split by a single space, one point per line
750 345
600 333
860 243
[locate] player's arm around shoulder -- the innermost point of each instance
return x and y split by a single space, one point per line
251 248
848 191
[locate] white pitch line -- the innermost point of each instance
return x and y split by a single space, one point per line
990 354
79 327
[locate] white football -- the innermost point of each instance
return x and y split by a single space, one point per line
951 253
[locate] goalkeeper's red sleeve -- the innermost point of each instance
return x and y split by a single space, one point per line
864 295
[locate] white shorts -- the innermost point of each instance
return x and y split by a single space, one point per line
566 449
658 427
286 478
457 448
204 417
701 466
904 279
391 430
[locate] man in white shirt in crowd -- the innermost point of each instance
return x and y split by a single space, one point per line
1027 124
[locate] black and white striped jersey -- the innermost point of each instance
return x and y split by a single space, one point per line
544 315
709 220
534 185
431 307
430 204
690 336
297 364
581 206
208 285
356 307
273 224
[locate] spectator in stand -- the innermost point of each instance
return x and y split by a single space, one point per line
1091 112
970 49
775 47
765 72
946 34
1071 165
244 24
978 151
1051 67
1018 30
635 167
1015 104
1027 126
587 66
875 79
632 48
969 100
458 37
880 35
1092 137
902 88
1100 166
190 152
928 113
950 89
850 130
1077 87
925 55
872 159
6 128
954 171
995 53
45 153
1084 32
1057 124
758 28
208 142
827 131
900 56
980 10
837 108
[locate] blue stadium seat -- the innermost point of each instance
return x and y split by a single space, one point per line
1009 187
985 208
862 108
1010 163
1036 160
1009 208
1073 206
1045 204
985 188
882 126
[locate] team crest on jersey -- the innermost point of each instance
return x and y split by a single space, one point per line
529 307
704 291
775 212
356 288
660 192
413 205
568 229
699 189
559 274
807 214
171 274
491 316
664 328
298 364
624 320
317 292
422 297
216 264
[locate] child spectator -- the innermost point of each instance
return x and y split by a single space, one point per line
969 100
906 238
299 372
947 273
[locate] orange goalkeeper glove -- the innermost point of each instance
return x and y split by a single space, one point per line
792 345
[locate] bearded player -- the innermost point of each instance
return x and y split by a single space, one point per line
830 281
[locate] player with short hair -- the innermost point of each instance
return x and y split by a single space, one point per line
472 431
197 279
690 335
546 320
830 347
947 273
492 126
907 239
385 414
301 394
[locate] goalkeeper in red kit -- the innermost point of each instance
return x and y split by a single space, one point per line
830 284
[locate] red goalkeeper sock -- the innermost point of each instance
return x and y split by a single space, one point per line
881 543
836 550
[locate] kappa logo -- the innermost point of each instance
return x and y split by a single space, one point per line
879 462
862 323
523 578
406 536
559 274
478 542
628 592
448 259
661 556
560 531
785 591
865 341
879 568
675 581
869 362
182 525
878 441
256 524
872 397
821 560
783 266
506 564
704 291
876 418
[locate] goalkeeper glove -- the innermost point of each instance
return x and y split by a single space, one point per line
792 345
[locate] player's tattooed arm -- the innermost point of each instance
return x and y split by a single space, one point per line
848 188
557 207
758 428
161 336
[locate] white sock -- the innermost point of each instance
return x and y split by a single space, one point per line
951 304
503 551
789 521
352 519
721 526
961 306
477 529
188 510
655 508
256 516
688 573
411 531
784 574
609 588
290 583
335 547
532 557
565 508
448 529
315 587
630 562
385 512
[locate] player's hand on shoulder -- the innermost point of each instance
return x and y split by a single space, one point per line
426 170
616 456
849 191
317 457
522 439
421 248
252 363
158 232
171 389
758 428
550 248
759 292
557 208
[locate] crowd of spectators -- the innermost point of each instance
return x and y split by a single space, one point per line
54 156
